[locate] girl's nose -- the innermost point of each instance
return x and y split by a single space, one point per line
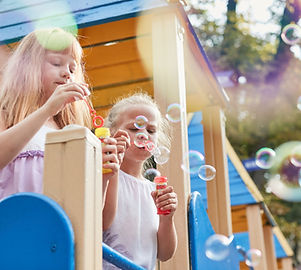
65 73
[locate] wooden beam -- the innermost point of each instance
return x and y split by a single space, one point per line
218 191
287 263
169 87
270 247
256 235
72 177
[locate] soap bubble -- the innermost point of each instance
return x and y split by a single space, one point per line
151 173
207 172
217 247
195 159
296 156
265 157
253 257
284 180
140 139
291 34
150 146
299 103
162 155
173 112
140 122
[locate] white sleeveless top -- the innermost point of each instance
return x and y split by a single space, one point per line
134 229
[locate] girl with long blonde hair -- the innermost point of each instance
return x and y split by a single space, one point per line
43 89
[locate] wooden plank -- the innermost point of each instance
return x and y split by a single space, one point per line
10 5
287 263
108 96
18 12
117 74
125 51
218 191
256 235
116 30
169 87
270 247
72 177
282 240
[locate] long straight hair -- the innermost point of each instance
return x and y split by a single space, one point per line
21 89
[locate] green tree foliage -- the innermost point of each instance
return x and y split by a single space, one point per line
262 112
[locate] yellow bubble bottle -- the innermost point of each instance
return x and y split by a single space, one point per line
102 133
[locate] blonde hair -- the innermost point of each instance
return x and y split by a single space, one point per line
21 91
164 129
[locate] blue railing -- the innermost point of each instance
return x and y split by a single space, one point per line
112 256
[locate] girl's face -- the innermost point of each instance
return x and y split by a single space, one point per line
126 121
57 69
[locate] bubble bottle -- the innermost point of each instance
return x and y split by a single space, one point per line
102 133
161 183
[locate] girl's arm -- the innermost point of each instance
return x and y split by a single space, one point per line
166 236
109 181
13 140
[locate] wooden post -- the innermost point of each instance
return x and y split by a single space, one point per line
73 178
169 87
218 191
270 247
256 236
287 263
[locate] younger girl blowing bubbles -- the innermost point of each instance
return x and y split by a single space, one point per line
137 231
40 84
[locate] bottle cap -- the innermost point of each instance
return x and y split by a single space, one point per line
102 132
160 179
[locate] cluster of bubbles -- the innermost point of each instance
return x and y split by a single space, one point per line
218 247
252 256
197 166
284 165
161 153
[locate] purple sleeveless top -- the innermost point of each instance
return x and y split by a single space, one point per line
25 172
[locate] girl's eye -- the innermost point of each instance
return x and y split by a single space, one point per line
151 131
71 71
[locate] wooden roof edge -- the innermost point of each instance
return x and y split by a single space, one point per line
189 117
243 172
283 242
198 51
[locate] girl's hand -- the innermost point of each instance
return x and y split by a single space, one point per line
64 94
109 157
166 199
123 143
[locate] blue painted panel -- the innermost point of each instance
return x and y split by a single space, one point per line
86 14
242 239
239 194
8 5
39 10
199 230
35 234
